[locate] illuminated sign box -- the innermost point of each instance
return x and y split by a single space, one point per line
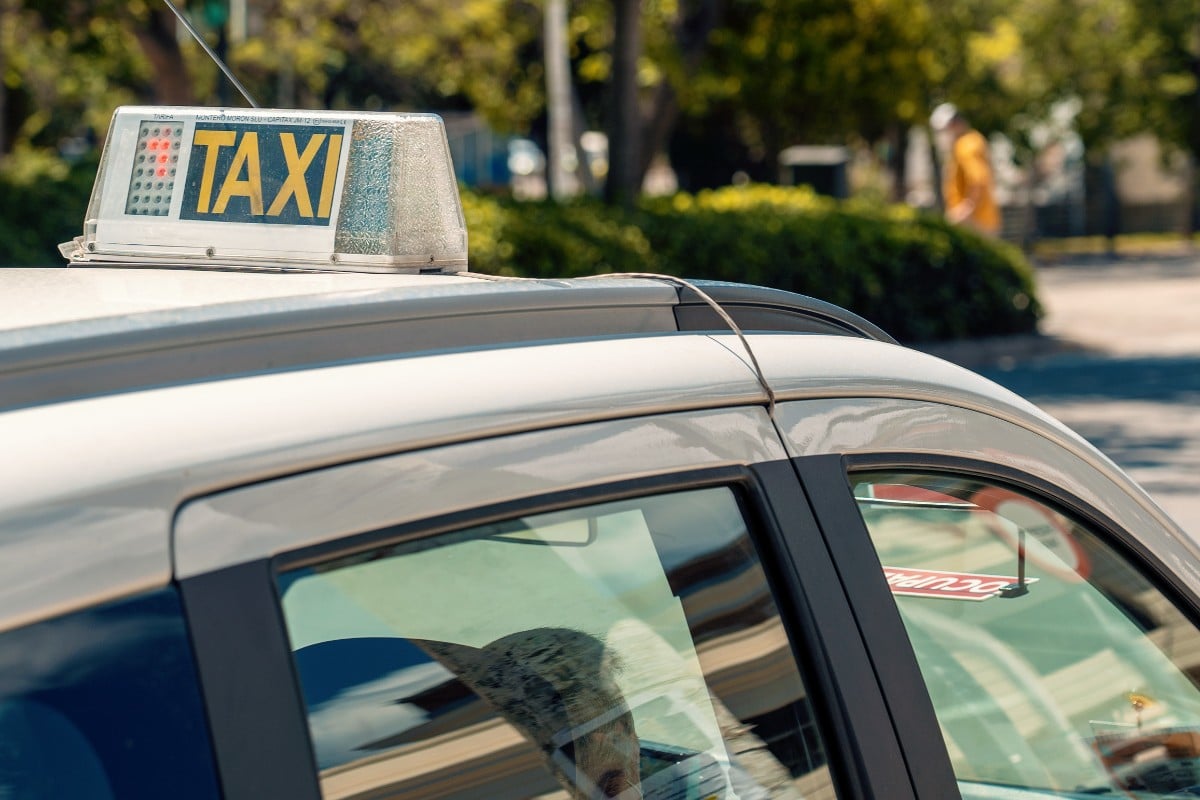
276 190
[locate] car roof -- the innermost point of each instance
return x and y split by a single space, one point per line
94 332
147 329
82 331
34 297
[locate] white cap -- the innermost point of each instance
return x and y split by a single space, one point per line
942 116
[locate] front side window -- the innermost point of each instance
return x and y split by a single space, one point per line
104 703
630 649
1054 666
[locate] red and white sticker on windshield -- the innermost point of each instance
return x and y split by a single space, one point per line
950 585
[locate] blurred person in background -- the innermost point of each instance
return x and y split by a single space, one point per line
968 183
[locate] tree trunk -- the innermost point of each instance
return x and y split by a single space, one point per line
692 36
558 99
624 122
1112 204
898 161
583 168
1194 146
172 84
8 18
664 114
3 90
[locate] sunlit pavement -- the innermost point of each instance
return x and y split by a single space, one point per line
1120 363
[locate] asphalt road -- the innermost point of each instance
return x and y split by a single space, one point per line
1120 363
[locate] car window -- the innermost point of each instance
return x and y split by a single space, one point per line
101 704
629 649
1054 666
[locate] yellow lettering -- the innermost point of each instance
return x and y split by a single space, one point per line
251 187
212 142
297 165
333 155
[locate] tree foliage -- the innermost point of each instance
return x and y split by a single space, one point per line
1093 52
724 84
425 54
64 69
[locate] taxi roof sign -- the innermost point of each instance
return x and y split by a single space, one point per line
275 189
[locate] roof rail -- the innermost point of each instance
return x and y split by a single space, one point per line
757 308
89 357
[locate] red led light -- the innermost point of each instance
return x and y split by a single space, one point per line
157 158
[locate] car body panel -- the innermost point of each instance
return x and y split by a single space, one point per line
265 519
81 470
123 461
44 296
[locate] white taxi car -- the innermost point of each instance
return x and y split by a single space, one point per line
295 506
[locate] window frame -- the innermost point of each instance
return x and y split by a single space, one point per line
252 691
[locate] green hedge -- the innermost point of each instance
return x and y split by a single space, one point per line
913 274
43 200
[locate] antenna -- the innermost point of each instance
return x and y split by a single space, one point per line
200 39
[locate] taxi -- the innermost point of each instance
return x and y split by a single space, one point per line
296 506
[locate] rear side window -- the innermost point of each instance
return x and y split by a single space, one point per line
1055 666
631 649
103 704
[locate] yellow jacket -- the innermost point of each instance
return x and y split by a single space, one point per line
969 180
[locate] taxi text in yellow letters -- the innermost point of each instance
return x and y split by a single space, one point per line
282 174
